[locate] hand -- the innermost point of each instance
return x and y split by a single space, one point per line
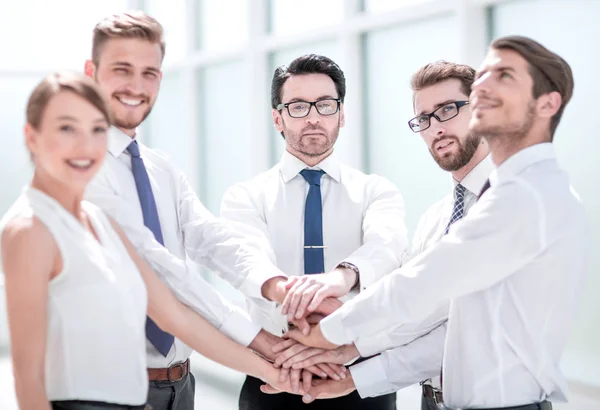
314 339
315 356
320 389
263 344
308 292
327 307
289 349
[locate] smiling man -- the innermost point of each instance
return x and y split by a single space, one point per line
159 211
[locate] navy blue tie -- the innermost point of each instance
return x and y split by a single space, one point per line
160 339
314 259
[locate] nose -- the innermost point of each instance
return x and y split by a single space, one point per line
135 85
313 116
436 128
482 83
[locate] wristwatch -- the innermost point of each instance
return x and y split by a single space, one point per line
352 267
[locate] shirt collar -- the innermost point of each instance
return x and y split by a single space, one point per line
522 160
476 179
118 141
291 166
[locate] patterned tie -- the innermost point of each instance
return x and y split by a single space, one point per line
314 259
161 340
458 211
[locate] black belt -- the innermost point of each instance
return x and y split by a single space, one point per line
545 405
92 405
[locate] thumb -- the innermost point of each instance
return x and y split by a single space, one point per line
317 391
268 389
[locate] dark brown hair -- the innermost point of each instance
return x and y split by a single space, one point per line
434 73
55 83
135 24
549 71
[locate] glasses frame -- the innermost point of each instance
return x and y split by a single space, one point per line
458 104
280 107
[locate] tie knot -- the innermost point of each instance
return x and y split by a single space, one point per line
134 149
312 176
460 191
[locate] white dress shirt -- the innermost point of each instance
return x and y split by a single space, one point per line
188 229
513 270
416 351
363 224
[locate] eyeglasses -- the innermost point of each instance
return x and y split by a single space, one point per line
301 109
444 113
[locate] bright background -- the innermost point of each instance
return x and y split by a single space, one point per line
213 113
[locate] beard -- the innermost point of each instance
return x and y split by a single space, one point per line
514 131
455 161
308 145
129 121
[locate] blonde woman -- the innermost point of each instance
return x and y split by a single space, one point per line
77 292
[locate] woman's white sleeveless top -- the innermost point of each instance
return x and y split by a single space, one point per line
96 347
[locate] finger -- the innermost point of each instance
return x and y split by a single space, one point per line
303 325
298 336
305 354
295 379
289 353
316 371
299 281
306 380
268 389
331 371
319 297
297 296
291 281
318 390
281 346
308 295
283 374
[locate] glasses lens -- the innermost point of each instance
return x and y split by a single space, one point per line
298 109
418 124
447 111
327 107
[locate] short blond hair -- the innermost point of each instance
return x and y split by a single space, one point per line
134 24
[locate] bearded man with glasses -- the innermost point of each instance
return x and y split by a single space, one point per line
330 227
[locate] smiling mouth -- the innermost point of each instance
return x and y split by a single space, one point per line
80 164
130 102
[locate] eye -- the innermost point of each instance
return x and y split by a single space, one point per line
150 74
99 130
120 70
66 128
504 74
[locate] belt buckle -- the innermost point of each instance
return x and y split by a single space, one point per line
182 366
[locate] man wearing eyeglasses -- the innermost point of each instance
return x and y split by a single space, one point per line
441 101
332 228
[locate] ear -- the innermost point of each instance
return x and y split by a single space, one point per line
277 120
342 115
549 104
89 68
30 138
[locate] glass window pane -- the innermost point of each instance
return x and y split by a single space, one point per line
578 21
327 48
394 150
220 28
16 167
227 145
377 6
167 127
58 35
172 16
291 17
